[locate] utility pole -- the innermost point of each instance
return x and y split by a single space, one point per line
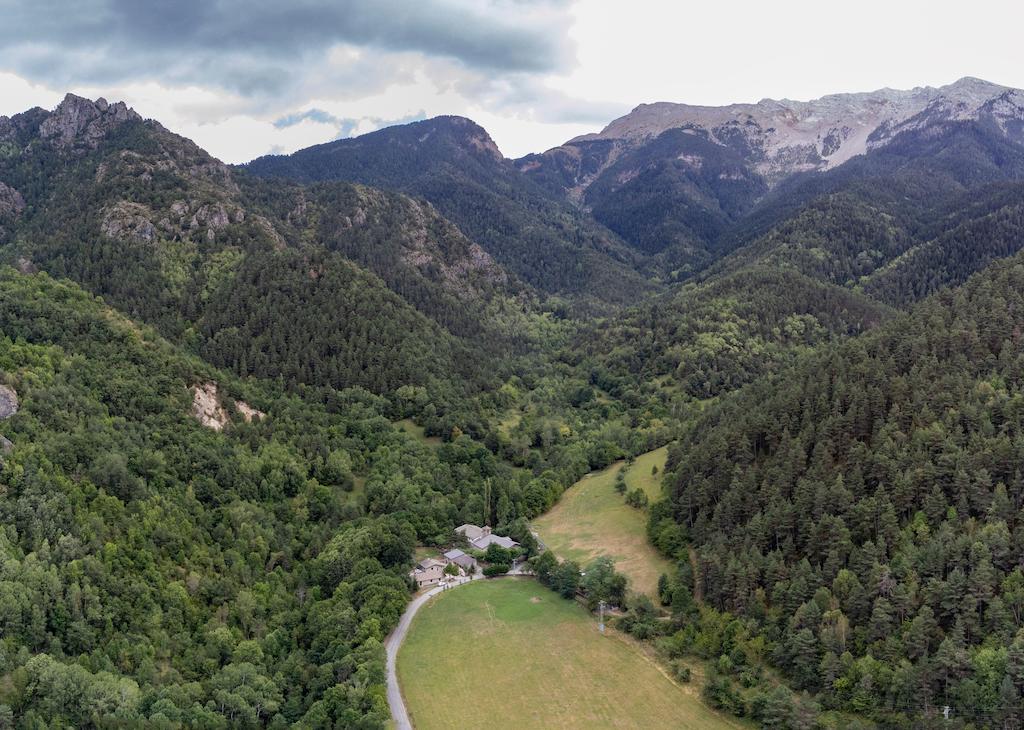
600 625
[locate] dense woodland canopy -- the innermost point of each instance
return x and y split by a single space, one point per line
834 359
537 236
861 511
155 569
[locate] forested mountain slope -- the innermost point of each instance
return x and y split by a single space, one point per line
862 510
453 163
882 202
274 280
692 182
157 571
712 338
991 228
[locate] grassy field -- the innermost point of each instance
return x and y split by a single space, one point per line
592 519
510 653
407 425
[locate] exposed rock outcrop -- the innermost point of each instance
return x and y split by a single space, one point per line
781 137
78 121
11 202
461 267
217 217
8 402
126 221
209 410
247 411
20 125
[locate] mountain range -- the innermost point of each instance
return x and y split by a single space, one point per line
210 374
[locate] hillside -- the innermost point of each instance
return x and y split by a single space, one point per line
453 163
693 182
156 570
862 509
171 236
715 337
236 401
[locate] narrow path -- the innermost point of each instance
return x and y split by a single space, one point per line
393 643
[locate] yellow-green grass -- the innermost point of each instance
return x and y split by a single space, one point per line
509 422
509 653
418 432
592 519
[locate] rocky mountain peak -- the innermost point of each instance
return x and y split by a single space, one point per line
80 121
971 85
463 131
783 136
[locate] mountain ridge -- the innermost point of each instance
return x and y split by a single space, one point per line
678 180
845 458
454 164
822 122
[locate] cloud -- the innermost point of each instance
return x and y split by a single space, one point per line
244 77
316 115
529 97
264 46
345 127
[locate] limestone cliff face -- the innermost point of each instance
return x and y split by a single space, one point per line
79 121
208 407
781 137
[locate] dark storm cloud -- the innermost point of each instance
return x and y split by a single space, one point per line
262 46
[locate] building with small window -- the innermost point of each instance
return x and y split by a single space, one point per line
466 562
480 538
428 572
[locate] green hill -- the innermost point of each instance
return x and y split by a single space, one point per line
861 510
454 164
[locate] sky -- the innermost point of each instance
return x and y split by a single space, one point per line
246 78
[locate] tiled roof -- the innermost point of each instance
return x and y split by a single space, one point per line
481 543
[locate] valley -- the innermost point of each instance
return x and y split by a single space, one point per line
793 329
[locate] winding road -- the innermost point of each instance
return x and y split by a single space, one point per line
399 713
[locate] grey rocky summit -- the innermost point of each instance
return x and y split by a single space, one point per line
782 137
79 121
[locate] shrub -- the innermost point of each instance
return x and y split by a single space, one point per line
637 498
681 672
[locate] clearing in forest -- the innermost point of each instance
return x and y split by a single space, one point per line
418 432
592 519
509 653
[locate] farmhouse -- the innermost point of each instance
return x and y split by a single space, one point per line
459 558
481 537
428 572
